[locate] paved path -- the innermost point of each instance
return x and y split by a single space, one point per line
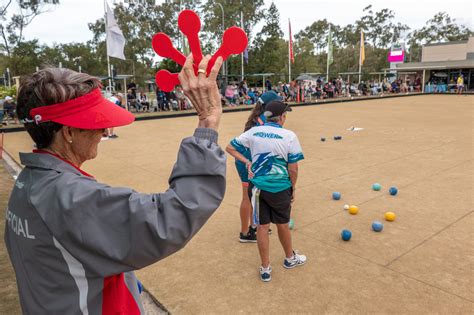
9 302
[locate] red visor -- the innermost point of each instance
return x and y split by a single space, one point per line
90 111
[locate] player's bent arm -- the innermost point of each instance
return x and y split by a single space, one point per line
232 151
293 172
111 229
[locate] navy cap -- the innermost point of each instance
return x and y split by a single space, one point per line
276 108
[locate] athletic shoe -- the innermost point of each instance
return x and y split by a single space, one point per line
266 273
114 136
250 237
294 261
254 230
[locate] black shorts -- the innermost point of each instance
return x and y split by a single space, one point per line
273 207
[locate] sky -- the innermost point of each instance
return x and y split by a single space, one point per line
68 21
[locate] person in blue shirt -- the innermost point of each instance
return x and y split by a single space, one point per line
273 172
256 118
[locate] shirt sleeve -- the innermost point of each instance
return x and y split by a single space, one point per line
295 153
112 230
241 142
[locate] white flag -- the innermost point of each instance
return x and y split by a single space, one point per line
115 39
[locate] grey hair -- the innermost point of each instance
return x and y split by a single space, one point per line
47 87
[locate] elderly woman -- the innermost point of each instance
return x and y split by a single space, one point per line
74 242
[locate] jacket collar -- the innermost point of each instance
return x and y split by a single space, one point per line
46 160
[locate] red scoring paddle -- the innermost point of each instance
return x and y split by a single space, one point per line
166 80
163 46
190 25
234 42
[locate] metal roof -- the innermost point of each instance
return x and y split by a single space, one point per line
456 42
435 65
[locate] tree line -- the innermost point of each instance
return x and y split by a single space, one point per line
139 20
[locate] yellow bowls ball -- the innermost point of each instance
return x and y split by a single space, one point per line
390 216
353 209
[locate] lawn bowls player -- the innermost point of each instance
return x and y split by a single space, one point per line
273 171
74 242
256 118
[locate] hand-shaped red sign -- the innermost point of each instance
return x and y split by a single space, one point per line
234 42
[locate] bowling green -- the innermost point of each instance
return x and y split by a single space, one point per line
420 263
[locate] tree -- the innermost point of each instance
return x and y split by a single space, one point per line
379 27
440 28
269 51
11 28
24 57
211 15
305 59
316 33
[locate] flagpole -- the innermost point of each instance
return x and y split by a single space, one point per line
289 55
327 59
242 55
360 55
106 52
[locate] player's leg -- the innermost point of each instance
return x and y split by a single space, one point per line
247 235
263 242
280 204
284 234
245 210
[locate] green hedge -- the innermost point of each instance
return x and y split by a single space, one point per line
4 91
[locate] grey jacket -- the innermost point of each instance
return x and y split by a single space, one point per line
74 242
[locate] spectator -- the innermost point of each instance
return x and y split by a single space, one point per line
117 99
180 98
252 96
418 84
132 101
235 89
243 88
171 99
144 101
395 87
132 86
229 95
268 85
460 83
9 108
2 101
163 104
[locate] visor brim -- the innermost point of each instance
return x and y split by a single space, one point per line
105 115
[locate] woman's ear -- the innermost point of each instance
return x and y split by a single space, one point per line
67 133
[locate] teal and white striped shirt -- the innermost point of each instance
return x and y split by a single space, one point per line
272 149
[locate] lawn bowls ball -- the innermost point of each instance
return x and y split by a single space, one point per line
393 191
346 235
390 216
377 226
353 209
376 186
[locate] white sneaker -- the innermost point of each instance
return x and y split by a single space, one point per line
266 273
294 261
